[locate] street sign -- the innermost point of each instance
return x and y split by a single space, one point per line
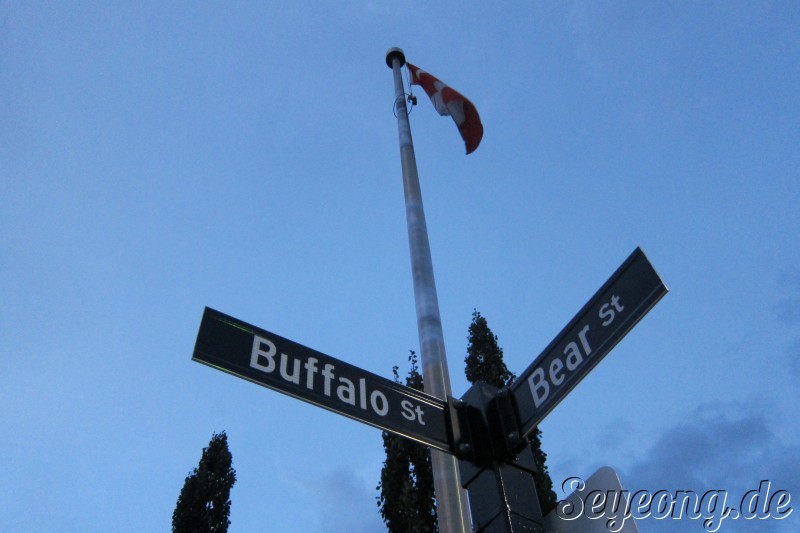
619 304
267 359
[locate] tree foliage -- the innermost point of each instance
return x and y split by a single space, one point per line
204 503
484 362
407 501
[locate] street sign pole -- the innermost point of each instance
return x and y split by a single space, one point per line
501 485
451 500
490 427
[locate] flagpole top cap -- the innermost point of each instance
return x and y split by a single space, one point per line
395 52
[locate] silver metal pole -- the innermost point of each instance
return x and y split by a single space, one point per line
451 499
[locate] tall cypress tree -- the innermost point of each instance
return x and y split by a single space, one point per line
407 501
484 362
204 504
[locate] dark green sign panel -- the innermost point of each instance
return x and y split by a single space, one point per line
277 363
611 313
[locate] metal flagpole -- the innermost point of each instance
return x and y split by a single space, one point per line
451 499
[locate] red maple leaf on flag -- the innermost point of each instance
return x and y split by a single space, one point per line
448 101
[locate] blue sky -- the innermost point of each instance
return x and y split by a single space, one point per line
159 158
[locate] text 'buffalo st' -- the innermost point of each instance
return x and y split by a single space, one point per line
270 360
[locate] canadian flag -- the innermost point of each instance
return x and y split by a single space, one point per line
448 101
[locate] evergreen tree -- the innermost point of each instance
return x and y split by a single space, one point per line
204 505
484 362
407 502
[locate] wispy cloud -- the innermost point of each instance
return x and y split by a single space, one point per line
725 446
348 503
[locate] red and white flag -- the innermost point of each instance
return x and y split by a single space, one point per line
451 102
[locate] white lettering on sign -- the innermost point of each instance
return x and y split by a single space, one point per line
410 412
291 369
575 352
608 311
311 369
258 353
